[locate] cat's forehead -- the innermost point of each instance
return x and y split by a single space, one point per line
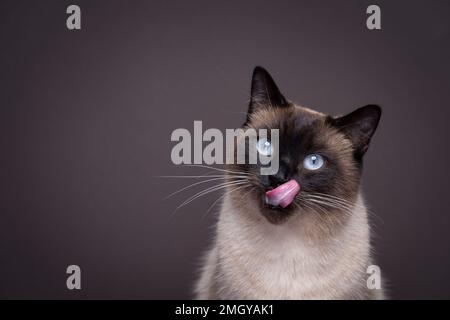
300 125
292 118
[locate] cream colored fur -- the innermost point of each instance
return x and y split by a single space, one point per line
298 259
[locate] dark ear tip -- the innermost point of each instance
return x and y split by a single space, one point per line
375 109
372 111
259 70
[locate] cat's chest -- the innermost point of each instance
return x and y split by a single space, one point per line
289 276
262 261
262 271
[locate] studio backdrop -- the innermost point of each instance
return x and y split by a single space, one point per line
88 110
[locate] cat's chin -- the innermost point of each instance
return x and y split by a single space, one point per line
277 214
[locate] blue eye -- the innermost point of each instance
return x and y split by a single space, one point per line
264 147
313 162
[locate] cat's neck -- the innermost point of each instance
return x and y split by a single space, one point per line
292 252
304 236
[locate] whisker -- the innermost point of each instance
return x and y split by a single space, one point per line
208 176
213 168
352 204
332 199
209 190
221 197
311 209
331 205
205 192
197 183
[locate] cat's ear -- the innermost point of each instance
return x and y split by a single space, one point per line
359 126
264 91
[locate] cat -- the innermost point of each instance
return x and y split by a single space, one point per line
315 244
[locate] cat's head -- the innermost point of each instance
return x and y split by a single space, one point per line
319 153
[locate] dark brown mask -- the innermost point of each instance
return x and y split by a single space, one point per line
306 137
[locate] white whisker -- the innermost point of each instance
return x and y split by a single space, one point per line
330 204
198 183
213 168
221 197
342 200
208 176
209 190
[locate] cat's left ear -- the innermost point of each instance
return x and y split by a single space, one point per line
264 92
359 126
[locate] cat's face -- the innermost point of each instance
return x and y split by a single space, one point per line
319 153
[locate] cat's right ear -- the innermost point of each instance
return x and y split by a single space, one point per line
264 92
359 126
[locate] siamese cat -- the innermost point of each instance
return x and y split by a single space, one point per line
303 232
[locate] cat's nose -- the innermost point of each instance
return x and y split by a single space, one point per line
279 178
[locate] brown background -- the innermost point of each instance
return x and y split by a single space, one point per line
86 118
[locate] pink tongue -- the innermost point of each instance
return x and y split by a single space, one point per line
284 194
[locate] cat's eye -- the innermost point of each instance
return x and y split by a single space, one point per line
313 162
264 147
